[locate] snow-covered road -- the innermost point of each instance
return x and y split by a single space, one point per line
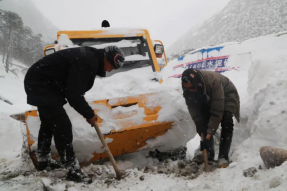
262 84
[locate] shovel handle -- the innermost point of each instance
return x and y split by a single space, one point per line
111 157
206 168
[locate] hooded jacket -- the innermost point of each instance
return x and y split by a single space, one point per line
218 94
65 76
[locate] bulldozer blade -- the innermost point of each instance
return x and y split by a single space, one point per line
129 139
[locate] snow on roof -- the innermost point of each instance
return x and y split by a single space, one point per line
64 40
124 31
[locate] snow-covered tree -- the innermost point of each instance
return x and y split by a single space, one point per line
18 41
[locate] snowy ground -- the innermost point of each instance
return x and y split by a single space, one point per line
262 85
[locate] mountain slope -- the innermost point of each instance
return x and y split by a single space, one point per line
31 17
238 21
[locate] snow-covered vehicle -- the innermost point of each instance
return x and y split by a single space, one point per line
135 117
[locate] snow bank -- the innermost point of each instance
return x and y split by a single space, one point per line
265 113
266 109
260 78
262 85
9 130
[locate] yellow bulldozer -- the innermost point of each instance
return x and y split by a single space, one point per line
139 51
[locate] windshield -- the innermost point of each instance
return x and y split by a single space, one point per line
136 50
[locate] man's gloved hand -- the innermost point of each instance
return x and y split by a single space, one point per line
92 120
205 144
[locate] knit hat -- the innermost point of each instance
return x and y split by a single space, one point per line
192 76
115 56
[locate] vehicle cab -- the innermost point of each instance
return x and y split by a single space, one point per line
140 51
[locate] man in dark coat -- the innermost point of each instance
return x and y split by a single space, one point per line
212 99
56 79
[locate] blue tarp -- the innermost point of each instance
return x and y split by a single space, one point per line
211 49
180 58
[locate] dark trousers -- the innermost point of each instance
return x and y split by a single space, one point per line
55 122
225 137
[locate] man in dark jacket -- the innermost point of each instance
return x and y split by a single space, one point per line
51 82
211 99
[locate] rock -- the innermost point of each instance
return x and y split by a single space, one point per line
99 171
181 164
193 168
142 178
111 176
160 171
176 154
90 175
167 161
249 172
150 169
274 182
147 169
198 157
27 173
141 168
183 172
192 176
188 170
108 181
173 158
273 156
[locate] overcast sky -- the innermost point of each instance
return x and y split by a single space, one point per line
166 20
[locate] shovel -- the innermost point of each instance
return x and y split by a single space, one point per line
206 168
111 157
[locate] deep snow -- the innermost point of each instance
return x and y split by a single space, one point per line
262 85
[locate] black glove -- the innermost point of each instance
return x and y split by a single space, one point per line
92 120
206 144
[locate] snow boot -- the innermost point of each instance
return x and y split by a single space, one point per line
76 174
222 163
211 152
49 165
45 162
225 138
224 146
